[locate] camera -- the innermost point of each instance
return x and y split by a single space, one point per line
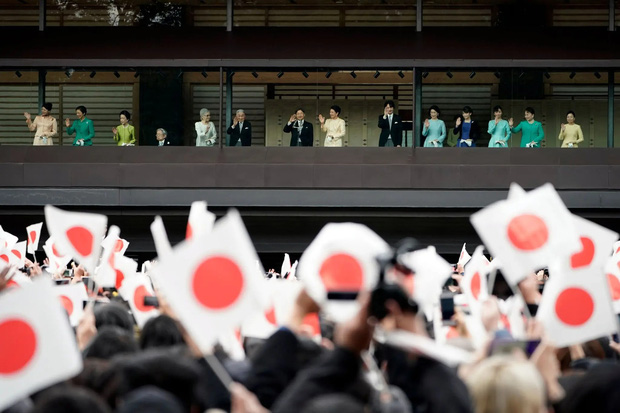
152 301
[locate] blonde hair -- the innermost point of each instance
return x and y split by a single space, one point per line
504 384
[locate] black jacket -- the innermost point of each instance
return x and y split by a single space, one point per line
396 131
306 136
474 132
245 135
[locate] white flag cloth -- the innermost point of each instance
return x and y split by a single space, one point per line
292 276
105 274
341 259
515 191
14 255
18 279
38 346
616 247
431 273
527 232
286 266
576 305
464 257
264 324
124 268
160 237
474 282
612 271
134 290
34 236
58 260
116 244
77 234
72 298
7 240
200 221
215 284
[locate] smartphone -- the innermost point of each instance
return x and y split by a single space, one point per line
151 301
62 281
68 273
342 295
507 346
446 300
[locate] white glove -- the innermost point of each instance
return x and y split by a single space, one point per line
502 143
435 144
467 142
570 145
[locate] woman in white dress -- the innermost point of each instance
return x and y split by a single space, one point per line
334 127
205 129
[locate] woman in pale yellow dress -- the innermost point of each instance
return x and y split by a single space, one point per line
334 127
570 134
45 127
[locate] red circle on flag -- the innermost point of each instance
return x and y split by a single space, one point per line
614 286
119 279
17 254
118 247
16 352
342 272
217 283
574 306
138 299
12 283
4 257
81 239
584 257
527 232
33 236
188 232
67 303
271 316
475 285
55 251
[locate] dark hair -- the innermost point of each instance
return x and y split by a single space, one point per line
161 331
334 402
571 112
82 109
388 102
530 109
496 108
302 109
126 113
149 399
336 109
435 108
467 109
113 314
48 106
70 399
110 341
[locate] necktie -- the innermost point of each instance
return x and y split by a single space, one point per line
390 119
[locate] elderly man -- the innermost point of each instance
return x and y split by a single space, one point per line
240 130
162 138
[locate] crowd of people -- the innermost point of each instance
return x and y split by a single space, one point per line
349 366
465 133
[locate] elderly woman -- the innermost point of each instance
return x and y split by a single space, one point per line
532 130
124 134
570 134
45 126
205 129
334 127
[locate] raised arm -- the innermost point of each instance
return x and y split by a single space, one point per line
71 129
517 128
383 122
492 127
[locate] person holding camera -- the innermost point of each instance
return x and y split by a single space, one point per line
302 132
82 127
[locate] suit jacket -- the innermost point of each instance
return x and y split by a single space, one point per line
474 132
306 136
245 135
167 142
396 131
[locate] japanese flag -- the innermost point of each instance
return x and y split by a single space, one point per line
211 283
105 274
38 346
612 272
200 221
77 234
616 247
341 259
527 232
464 257
17 279
7 240
72 297
14 255
134 290
116 244
264 324
160 237
595 242
286 266
431 273
474 283
575 308
292 276
515 191
34 235
58 260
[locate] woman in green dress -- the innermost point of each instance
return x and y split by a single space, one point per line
124 134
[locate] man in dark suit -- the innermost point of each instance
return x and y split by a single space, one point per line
162 138
240 130
391 126
302 132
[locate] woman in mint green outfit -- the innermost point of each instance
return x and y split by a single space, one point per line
532 131
434 129
82 127
124 134
499 130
